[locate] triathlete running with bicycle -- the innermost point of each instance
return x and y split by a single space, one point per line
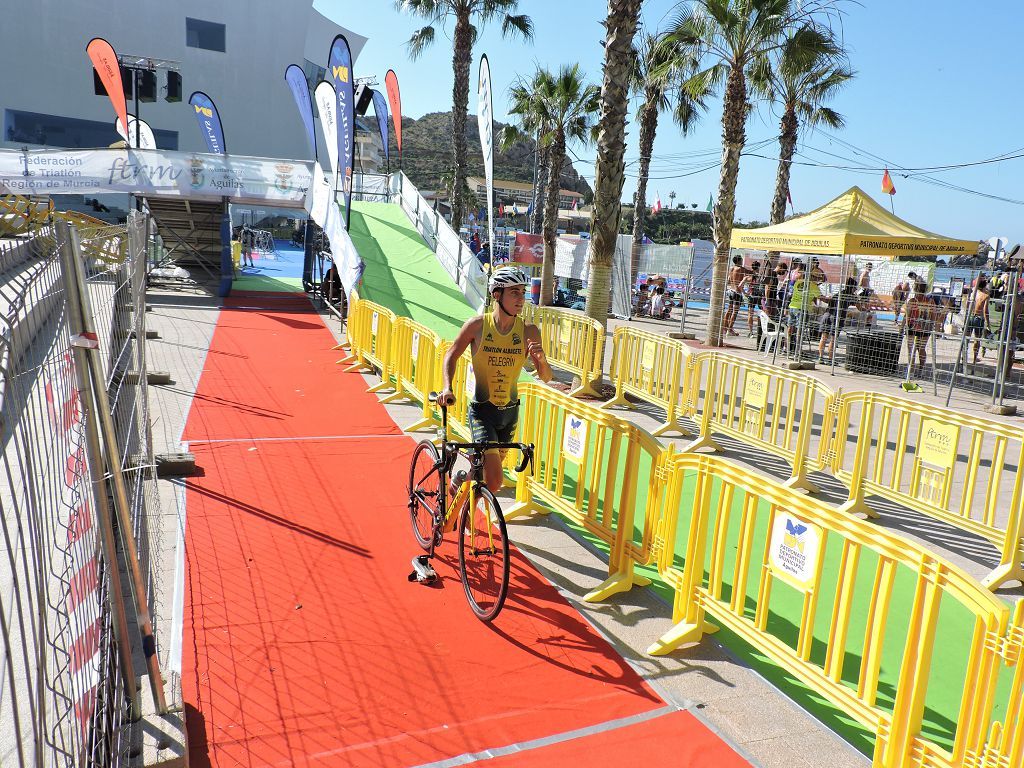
501 342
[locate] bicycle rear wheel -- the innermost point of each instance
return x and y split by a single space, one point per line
425 497
484 556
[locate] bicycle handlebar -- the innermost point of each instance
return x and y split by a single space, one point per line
525 449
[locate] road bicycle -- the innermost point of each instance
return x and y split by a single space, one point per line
482 537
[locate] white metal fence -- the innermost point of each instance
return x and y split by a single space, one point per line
454 255
68 687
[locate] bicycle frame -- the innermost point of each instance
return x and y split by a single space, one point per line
467 491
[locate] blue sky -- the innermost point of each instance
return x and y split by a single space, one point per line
937 84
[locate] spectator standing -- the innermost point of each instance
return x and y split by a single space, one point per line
804 296
484 255
817 273
753 289
734 294
864 281
977 314
839 304
900 294
919 321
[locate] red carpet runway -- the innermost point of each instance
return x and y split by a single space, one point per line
305 645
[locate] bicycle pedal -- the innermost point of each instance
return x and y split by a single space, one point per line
422 571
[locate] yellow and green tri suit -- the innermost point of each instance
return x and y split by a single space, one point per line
497 363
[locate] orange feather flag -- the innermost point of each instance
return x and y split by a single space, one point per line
887 186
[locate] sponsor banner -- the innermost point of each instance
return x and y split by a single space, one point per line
794 550
528 249
485 121
326 103
209 122
325 212
155 172
339 67
395 99
103 58
380 108
143 138
938 443
296 80
574 438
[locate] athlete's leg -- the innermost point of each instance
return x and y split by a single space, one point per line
493 475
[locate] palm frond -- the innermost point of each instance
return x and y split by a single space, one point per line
420 41
827 117
511 135
521 25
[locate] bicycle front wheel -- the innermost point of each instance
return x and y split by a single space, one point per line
484 556
425 495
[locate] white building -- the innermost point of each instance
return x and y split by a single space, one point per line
236 52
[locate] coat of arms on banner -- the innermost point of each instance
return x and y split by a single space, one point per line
794 550
574 440
284 176
196 171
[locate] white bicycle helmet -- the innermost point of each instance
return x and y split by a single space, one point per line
503 277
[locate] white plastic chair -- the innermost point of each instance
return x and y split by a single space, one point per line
770 338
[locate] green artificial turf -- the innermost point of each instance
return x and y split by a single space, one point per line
268 284
402 273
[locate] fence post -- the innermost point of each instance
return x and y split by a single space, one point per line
113 457
68 255
704 440
856 504
799 480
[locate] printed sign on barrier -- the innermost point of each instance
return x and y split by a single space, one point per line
647 356
794 551
470 382
574 439
415 350
373 332
564 334
755 391
938 443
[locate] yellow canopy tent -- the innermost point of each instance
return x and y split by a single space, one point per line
852 224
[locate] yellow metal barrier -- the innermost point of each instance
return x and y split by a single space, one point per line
763 406
572 341
369 331
354 328
650 367
587 464
19 214
744 539
964 470
415 367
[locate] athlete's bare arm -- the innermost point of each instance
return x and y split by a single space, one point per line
468 335
535 351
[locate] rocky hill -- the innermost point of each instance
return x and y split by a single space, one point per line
426 154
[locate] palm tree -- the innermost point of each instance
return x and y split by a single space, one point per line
470 17
733 35
528 129
656 66
609 169
566 109
800 81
